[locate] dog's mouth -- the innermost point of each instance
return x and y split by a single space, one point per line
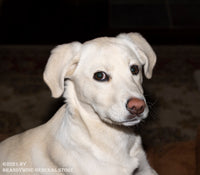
131 122
127 122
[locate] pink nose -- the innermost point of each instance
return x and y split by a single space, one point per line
135 106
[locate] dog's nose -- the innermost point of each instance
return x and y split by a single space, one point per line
135 106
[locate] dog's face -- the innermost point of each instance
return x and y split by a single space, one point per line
107 76
104 80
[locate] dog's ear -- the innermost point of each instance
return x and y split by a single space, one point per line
61 64
143 51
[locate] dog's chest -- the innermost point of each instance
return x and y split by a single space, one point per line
89 164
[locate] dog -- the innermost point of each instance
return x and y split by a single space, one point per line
101 81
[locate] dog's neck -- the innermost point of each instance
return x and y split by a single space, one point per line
86 128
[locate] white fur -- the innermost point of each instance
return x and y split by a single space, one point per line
89 134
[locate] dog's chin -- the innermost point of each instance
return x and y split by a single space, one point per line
131 122
128 122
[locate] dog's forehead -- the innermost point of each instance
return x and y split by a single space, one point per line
106 51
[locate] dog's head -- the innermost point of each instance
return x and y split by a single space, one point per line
106 74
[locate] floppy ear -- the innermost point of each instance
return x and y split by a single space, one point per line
143 51
61 64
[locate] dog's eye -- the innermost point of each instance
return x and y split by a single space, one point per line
134 69
101 76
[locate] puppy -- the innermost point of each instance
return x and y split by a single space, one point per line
90 135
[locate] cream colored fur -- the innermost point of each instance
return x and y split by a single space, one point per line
90 133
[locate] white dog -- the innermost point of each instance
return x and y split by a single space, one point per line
90 135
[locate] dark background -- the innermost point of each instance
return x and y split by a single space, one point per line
59 21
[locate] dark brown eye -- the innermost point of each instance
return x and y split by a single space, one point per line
134 69
101 76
